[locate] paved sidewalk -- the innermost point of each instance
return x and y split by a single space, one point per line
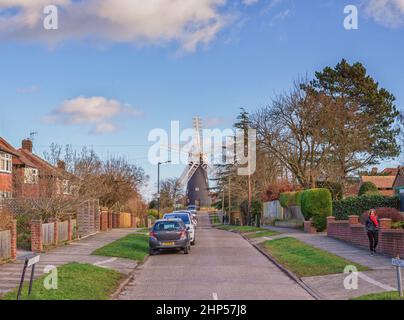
78 251
381 277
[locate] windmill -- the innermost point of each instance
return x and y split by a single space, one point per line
195 175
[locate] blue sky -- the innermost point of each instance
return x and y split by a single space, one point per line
237 54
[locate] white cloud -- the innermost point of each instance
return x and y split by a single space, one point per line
389 13
189 22
99 112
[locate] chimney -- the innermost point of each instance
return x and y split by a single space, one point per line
27 145
61 165
374 171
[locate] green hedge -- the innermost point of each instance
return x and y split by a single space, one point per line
368 188
357 205
290 199
317 205
334 187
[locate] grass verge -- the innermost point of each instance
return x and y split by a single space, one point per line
305 260
261 234
393 295
241 229
75 282
133 246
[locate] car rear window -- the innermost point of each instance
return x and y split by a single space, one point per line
184 217
167 226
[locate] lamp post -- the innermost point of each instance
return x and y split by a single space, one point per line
158 185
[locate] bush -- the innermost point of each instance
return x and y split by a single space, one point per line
290 199
390 213
397 225
316 204
334 187
153 213
357 205
368 187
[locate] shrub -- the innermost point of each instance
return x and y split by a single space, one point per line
273 191
334 187
390 213
357 205
397 225
153 213
368 187
287 199
299 198
317 205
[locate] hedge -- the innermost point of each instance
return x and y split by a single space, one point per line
290 199
368 188
334 187
317 205
357 205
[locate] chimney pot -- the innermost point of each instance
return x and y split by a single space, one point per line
61 165
27 145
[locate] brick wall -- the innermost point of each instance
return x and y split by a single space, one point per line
390 241
36 236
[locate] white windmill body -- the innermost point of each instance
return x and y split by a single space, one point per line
195 175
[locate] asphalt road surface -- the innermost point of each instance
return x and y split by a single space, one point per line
222 266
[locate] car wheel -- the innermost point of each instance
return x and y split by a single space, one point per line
193 243
186 250
151 252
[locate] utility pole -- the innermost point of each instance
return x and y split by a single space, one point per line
229 197
158 185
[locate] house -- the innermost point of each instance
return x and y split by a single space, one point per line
383 183
53 180
399 180
6 169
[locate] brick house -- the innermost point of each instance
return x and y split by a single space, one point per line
383 183
53 180
399 180
7 153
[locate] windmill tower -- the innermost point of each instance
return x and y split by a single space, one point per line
195 175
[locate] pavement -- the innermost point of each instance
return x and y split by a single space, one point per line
222 266
78 251
382 276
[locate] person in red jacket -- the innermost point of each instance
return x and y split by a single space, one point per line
372 229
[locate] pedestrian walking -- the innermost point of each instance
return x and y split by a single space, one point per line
372 229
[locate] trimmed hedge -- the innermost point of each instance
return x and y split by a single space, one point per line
290 199
334 187
368 188
317 205
357 205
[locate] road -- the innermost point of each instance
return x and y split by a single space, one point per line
222 266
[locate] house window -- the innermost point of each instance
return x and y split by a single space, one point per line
66 187
31 176
6 163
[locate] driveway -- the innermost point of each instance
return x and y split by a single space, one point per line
222 266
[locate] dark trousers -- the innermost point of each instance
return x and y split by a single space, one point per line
373 239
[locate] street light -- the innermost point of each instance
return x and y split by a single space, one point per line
158 185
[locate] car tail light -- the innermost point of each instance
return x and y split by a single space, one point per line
183 235
153 235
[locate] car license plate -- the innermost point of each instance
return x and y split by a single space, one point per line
168 243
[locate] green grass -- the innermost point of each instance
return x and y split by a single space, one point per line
133 246
242 229
214 219
261 234
393 295
75 282
305 260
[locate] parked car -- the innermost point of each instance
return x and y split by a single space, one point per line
193 207
186 217
169 234
193 214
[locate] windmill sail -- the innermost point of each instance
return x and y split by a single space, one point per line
196 174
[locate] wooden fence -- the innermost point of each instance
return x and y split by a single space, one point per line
63 231
48 232
5 245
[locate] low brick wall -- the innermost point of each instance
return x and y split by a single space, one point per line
391 241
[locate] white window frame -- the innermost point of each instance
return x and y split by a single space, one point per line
31 176
5 194
6 160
